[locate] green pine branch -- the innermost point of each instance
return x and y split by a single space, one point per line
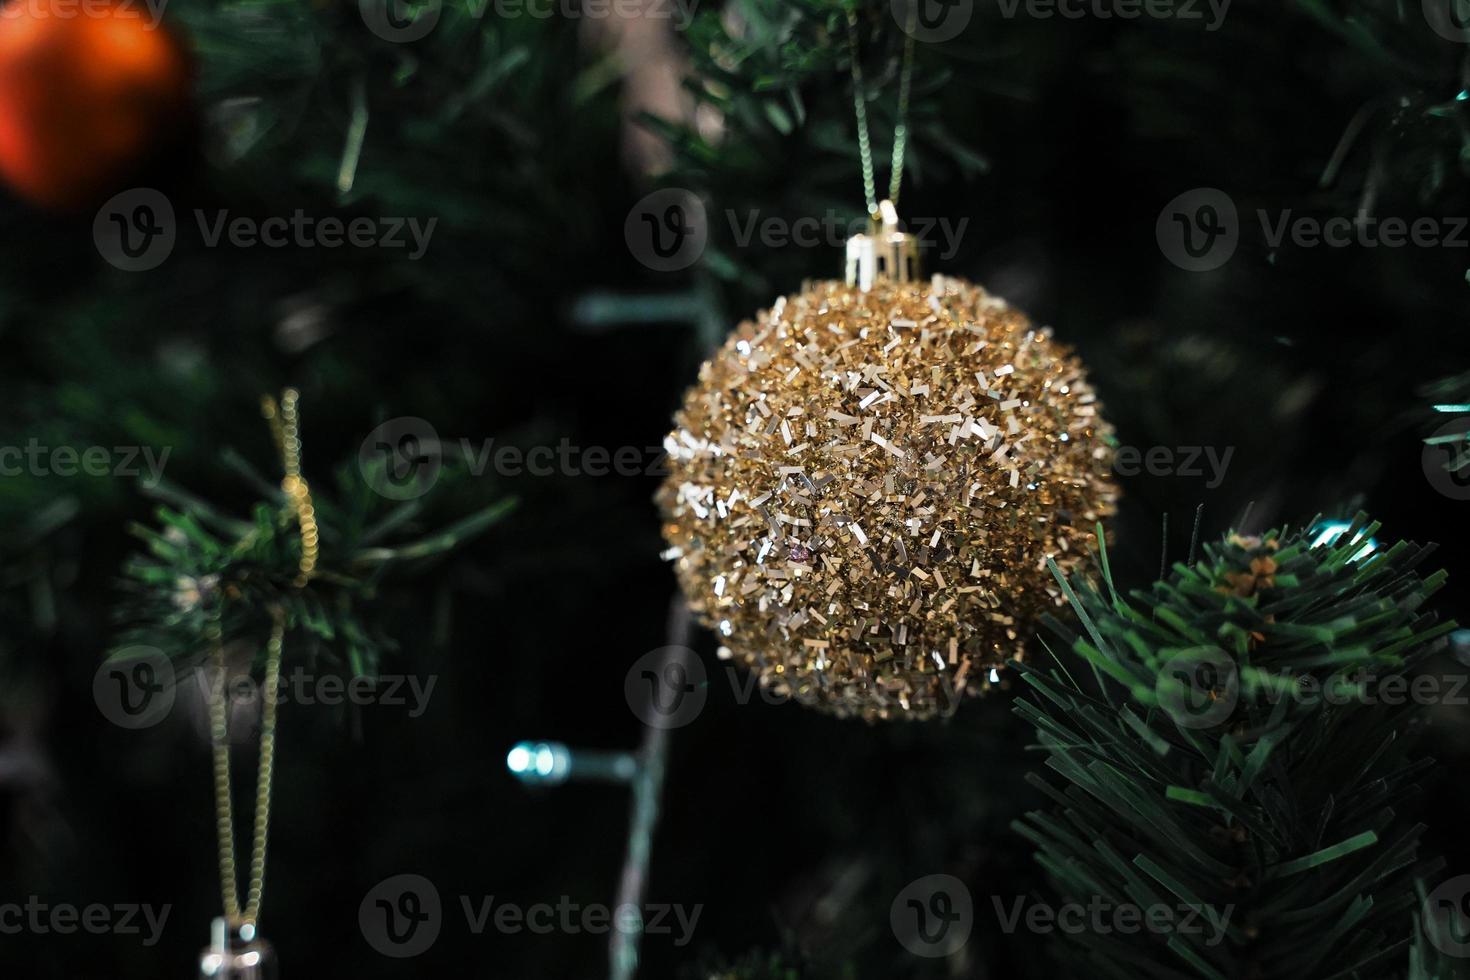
1193 769
199 562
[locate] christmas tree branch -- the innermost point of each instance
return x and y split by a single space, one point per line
199 560
1238 753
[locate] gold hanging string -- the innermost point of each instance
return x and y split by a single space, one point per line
860 110
285 429
285 426
224 807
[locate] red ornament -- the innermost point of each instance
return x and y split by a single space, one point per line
88 89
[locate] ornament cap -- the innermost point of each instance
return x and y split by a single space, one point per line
237 953
885 253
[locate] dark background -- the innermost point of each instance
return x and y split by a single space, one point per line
530 321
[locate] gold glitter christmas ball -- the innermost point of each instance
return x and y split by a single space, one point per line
865 486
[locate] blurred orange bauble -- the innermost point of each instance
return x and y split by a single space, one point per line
88 91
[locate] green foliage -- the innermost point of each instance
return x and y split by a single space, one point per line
778 76
199 562
28 586
1451 402
306 95
1427 960
1197 768
752 966
1414 128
